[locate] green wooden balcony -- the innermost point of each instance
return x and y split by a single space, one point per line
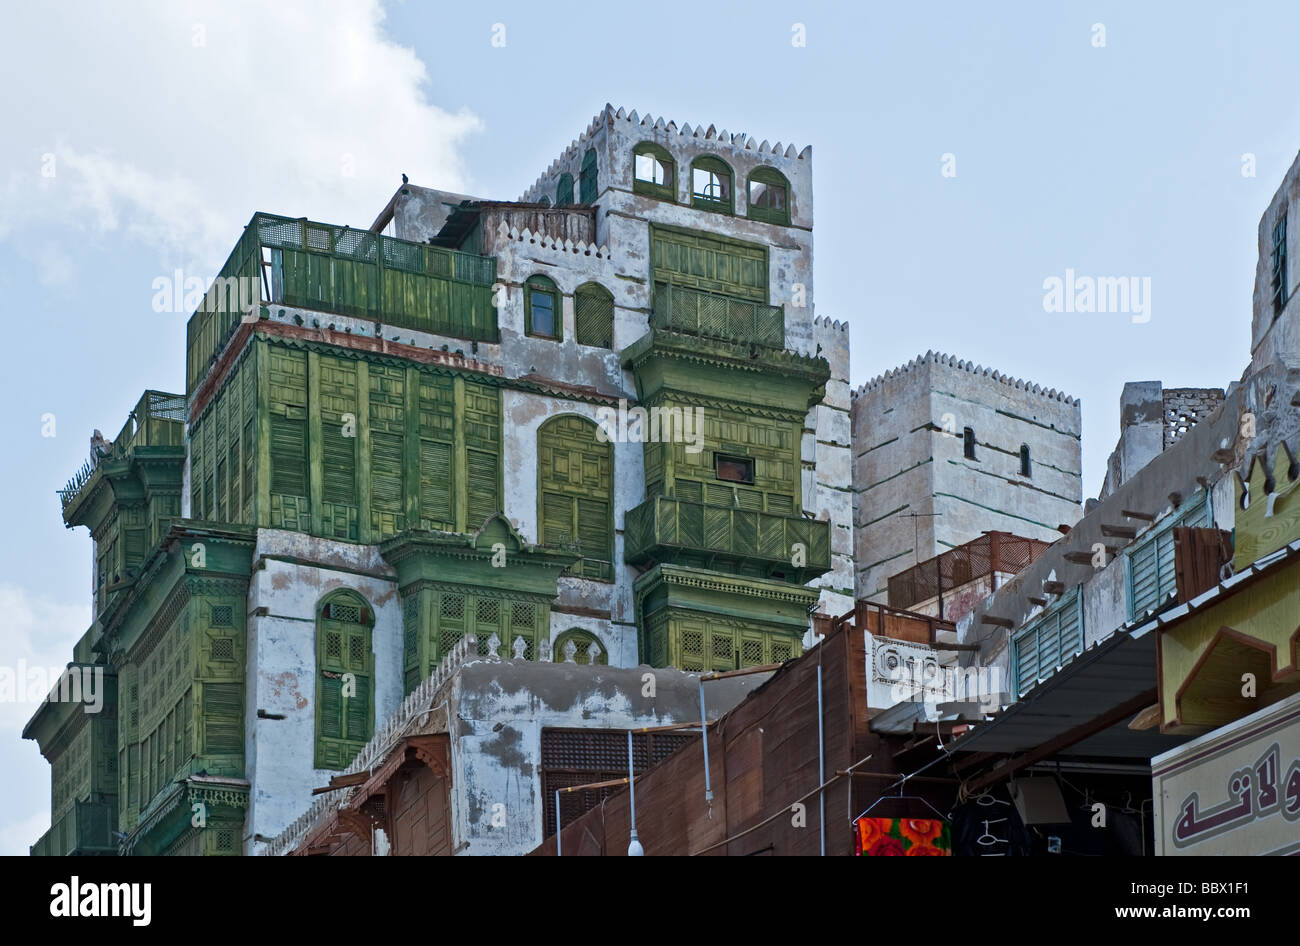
665 528
713 315
297 262
157 420
87 828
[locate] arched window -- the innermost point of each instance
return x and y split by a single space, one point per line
575 492
545 201
564 190
593 315
1025 468
345 675
769 196
586 646
653 171
542 308
711 180
587 179
968 442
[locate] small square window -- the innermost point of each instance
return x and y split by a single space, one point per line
733 469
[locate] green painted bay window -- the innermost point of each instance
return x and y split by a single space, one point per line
769 196
711 181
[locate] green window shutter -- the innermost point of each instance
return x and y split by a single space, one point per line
339 455
1151 575
386 473
482 486
223 717
587 179
594 316
436 485
331 707
288 456
344 722
698 260
557 519
1049 642
575 492
564 191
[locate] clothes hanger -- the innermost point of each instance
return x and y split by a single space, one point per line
901 796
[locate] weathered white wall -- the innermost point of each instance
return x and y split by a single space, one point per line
909 458
281 667
501 766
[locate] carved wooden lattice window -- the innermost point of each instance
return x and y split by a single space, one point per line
593 310
576 492
345 673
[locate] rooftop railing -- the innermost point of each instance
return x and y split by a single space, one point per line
357 273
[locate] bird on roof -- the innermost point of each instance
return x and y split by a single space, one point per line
405 179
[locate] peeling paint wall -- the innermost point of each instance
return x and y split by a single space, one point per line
499 709
298 572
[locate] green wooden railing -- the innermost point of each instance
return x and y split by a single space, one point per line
715 315
358 273
664 525
87 828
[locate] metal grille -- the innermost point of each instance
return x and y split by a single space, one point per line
223 648
579 756
991 552
222 615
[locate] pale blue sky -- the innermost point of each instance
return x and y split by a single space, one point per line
171 123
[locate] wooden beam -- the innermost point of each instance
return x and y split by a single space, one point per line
997 621
1065 740
343 781
1134 514
1054 587
1119 532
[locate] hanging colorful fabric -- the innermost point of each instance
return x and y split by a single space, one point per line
901 837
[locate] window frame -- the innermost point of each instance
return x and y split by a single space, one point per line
1026 462
748 462
666 191
768 177
1068 605
545 285
714 165
968 444
595 564
365 627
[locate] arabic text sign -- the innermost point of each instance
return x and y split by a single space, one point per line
1235 790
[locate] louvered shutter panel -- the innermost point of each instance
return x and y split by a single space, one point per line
386 474
595 538
223 717
435 485
483 487
288 456
340 461
557 519
331 707
358 710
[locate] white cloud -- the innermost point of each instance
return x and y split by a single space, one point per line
171 123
